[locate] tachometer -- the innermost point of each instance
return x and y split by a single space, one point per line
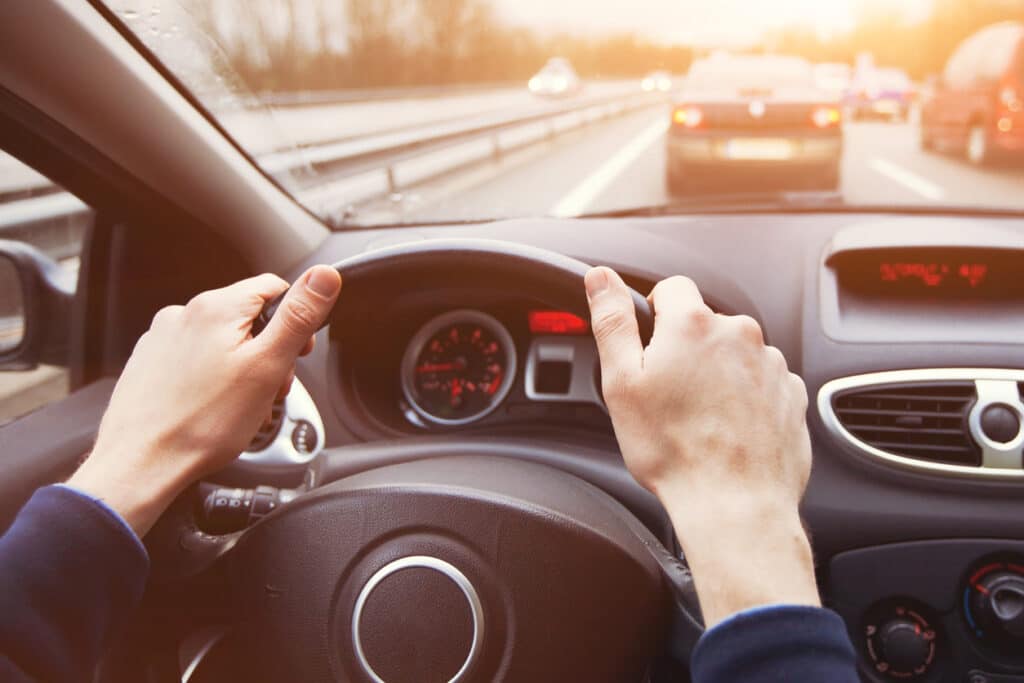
458 367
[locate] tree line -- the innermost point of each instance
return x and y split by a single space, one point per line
333 44
920 47
293 45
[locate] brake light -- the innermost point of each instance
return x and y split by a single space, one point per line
556 322
826 117
688 116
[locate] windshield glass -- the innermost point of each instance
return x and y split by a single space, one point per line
393 111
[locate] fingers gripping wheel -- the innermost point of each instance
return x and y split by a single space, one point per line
551 278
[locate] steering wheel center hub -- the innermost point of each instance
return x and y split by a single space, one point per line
417 618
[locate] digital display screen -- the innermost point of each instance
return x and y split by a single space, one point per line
933 273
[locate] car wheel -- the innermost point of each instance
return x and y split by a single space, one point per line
978 150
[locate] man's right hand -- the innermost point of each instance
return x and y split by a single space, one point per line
710 419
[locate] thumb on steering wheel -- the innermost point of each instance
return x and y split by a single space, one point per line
302 312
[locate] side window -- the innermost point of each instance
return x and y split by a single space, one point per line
957 74
37 213
998 52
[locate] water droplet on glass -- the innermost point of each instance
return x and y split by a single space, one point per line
155 12
154 30
130 14
167 35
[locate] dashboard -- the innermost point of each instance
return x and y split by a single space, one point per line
479 361
907 330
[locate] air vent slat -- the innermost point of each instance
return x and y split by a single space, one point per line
926 421
958 398
896 446
904 430
881 411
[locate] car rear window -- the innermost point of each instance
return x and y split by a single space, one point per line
754 73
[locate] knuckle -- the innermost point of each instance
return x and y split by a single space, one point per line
299 316
680 280
609 321
776 357
748 329
270 282
699 319
799 389
674 282
166 316
201 304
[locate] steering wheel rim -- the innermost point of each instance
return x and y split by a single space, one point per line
537 273
551 278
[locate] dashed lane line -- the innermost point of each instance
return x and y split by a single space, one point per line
584 194
908 179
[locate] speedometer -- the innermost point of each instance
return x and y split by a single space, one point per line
458 367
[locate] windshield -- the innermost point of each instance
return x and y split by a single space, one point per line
394 111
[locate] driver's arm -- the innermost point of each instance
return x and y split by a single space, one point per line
710 419
195 389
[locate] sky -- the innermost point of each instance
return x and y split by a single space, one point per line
711 22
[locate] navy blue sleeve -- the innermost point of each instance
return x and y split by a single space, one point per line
72 574
776 644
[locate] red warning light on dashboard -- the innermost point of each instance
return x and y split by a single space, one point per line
556 322
935 274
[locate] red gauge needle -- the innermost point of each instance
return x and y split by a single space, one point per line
492 388
456 392
437 367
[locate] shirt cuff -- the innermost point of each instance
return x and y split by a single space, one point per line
773 643
111 512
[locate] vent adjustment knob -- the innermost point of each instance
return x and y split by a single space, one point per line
1000 423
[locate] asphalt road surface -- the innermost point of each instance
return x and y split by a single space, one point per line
620 164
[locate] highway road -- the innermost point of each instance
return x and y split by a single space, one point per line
620 164
605 166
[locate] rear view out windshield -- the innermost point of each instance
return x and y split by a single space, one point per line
754 73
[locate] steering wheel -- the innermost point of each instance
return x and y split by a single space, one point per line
449 567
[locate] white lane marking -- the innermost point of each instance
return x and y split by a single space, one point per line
581 196
911 181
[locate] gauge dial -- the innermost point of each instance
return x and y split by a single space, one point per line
458 367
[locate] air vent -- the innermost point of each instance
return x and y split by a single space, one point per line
926 420
268 431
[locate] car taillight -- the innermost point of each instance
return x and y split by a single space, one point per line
688 116
826 117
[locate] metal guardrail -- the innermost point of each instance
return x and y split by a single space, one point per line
349 95
335 175
375 150
322 97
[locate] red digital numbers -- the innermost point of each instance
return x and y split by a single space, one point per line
935 274
557 322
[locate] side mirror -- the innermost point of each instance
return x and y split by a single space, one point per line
35 307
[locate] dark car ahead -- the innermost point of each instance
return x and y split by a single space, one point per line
977 106
753 120
881 94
